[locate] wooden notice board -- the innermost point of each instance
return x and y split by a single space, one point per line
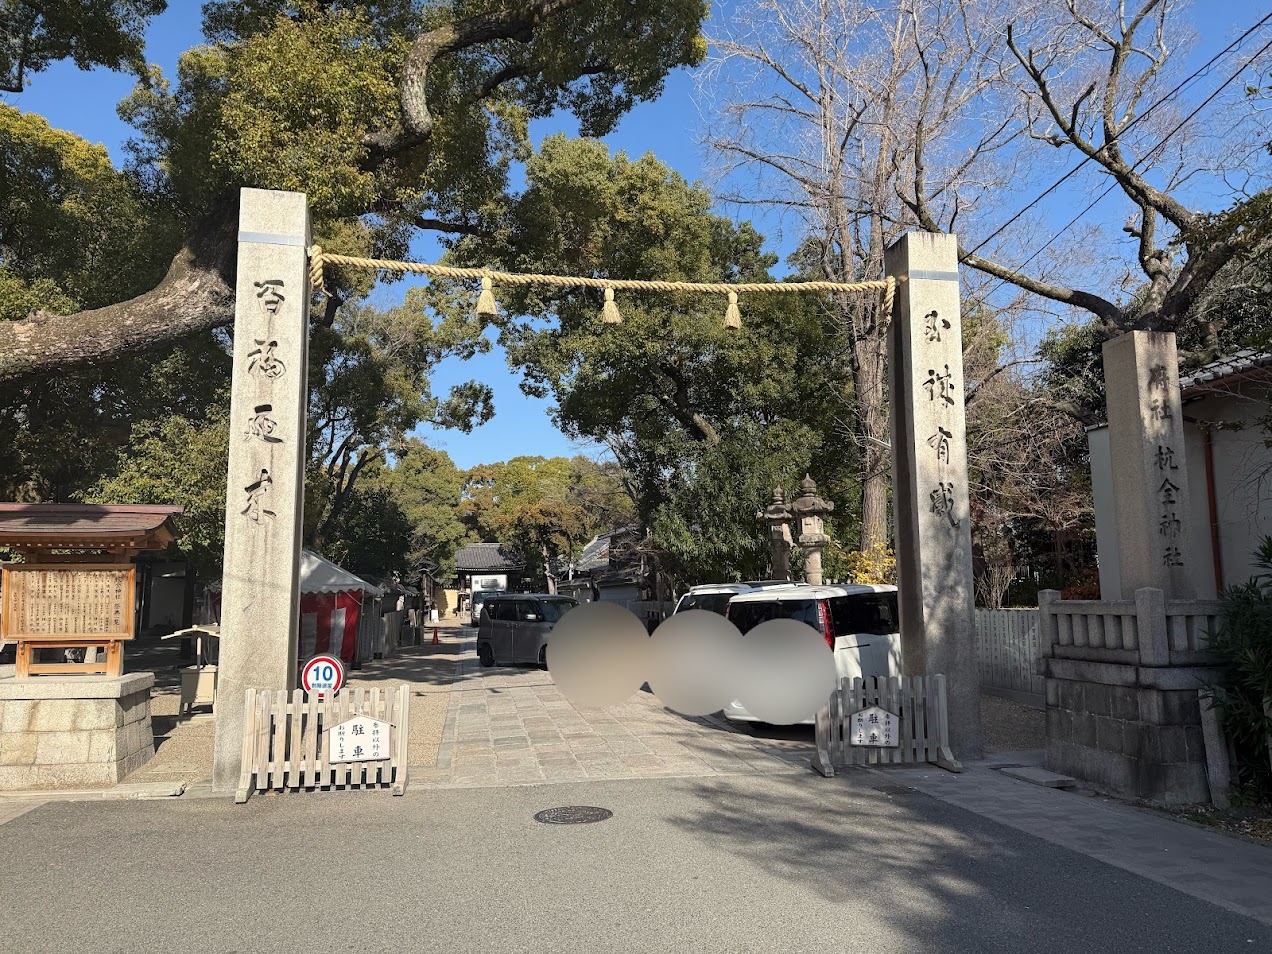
66 601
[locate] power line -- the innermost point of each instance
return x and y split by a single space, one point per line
1144 115
1144 158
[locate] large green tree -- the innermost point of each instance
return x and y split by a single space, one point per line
392 116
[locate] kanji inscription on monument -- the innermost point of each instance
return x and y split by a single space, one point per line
59 602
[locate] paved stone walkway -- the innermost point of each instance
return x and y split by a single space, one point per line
511 726
1227 871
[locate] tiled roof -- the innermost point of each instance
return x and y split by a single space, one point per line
482 557
1239 362
87 524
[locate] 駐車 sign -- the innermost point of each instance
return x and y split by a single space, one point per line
360 739
875 726
66 601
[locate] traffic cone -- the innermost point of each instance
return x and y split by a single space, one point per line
435 640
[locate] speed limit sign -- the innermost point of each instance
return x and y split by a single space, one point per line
322 675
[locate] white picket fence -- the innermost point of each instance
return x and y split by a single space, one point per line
1008 646
919 701
285 740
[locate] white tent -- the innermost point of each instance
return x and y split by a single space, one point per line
320 575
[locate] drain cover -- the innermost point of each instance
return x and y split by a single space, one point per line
894 789
572 815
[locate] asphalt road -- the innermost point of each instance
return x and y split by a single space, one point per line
739 864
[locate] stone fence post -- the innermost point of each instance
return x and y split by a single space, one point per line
1150 613
1048 631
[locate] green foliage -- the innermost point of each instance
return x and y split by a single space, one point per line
428 488
177 462
92 33
544 509
1244 644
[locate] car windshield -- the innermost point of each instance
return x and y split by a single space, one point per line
553 610
750 613
713 602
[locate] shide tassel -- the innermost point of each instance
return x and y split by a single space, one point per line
609 312
486 301
733 317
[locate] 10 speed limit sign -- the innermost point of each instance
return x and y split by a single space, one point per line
322 675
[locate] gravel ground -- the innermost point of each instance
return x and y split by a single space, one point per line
1010 726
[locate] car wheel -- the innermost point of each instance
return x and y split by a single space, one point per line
485 655
543 657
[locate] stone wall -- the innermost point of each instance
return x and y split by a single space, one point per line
1118 735
67 732
1122 679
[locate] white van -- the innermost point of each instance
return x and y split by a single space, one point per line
860 623
714 597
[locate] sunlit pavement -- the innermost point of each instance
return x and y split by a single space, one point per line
511 726
746 864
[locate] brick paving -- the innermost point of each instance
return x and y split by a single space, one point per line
511 726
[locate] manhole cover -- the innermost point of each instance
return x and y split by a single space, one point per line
894 789
572 815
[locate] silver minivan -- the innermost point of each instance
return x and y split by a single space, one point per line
514 627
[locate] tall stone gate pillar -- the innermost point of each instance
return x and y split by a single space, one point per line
929 473
260 597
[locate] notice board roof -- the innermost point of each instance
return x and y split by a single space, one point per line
87 526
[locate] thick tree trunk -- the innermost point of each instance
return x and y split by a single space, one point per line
196 294
549 576
870 357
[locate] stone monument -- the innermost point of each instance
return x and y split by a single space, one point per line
809 509
260 603
1150 476
778 517
929 467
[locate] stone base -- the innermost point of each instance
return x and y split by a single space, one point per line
1117 728
69 732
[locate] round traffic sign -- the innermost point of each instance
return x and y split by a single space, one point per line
322 675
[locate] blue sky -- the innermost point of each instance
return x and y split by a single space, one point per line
85 104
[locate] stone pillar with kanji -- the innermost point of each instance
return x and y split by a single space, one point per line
929 468
1150 474
264 504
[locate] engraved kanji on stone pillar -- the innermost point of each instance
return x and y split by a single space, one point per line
260 599
1150 473
929 468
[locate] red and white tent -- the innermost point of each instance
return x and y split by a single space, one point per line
331 604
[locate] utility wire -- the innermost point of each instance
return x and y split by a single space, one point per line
1142 116
1144 158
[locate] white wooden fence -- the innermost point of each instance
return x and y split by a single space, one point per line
285 740
1008 646
924 734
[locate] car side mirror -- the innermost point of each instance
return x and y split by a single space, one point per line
530 617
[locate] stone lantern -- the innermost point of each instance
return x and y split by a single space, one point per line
809 509
778 517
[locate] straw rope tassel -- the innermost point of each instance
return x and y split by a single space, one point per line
732 316
609 311
486 300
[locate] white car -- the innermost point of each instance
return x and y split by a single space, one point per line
714 597
860 623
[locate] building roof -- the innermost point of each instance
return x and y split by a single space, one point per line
320 575
1239 362
87 526
486 557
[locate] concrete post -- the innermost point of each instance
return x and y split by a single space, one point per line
1150 620
1150 473
1048 629
260 597
929 468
